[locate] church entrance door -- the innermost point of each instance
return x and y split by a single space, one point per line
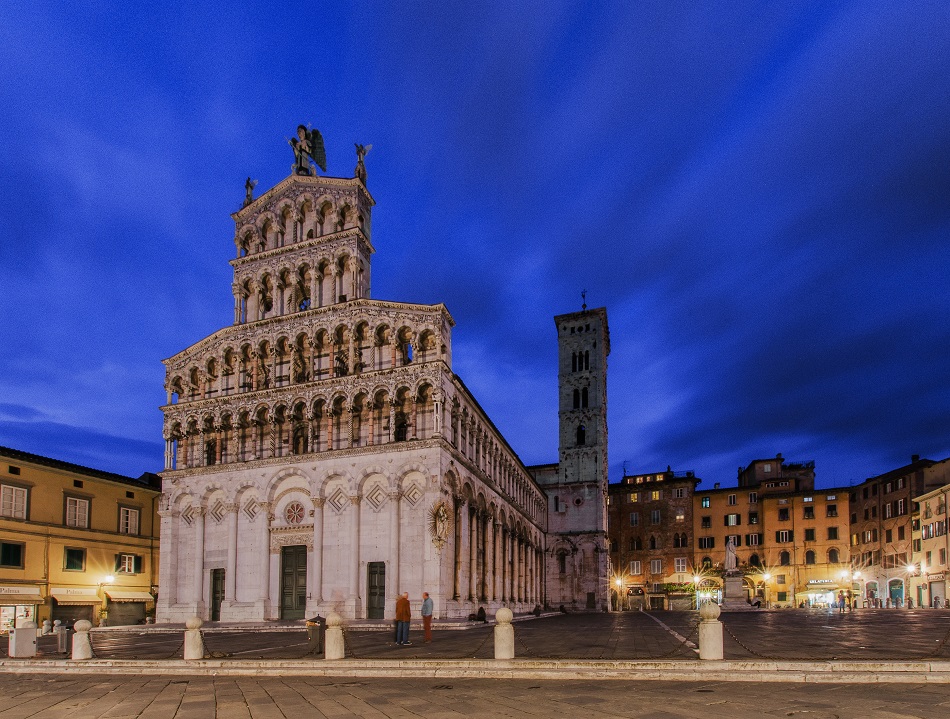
293 582
376 581
217 593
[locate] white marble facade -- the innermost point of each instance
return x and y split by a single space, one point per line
321 454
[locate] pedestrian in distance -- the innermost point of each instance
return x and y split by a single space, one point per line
403 615
427 616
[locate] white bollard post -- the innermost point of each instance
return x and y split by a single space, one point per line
504 634
82 645
194 644
23 640
47 627
710 631
334 647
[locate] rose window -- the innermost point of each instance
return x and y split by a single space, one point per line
294 513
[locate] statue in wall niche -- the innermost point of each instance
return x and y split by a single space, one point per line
308 146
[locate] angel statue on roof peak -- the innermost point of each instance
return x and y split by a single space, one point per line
308 146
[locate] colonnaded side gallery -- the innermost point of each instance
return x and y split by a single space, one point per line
322 455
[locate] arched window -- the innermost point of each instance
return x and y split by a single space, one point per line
636 544
586 359
581 436
573 361
577 399
584 397
707 563
784 559
754 561
833 556
652 542
809 557
562 563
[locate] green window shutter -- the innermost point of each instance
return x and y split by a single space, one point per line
138 564
118 560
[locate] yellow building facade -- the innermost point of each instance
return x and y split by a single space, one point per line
75 543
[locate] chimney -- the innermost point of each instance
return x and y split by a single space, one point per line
716 485
914 458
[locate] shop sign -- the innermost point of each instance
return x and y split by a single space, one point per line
821 581
19 590
939 577
74 591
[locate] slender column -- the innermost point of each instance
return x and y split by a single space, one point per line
490 558
457 578
230 573
394 525
264 577
504 562
438 405
371 435
198 577
355 544
168 558
473 554
520 573
413 411
316 581
392 421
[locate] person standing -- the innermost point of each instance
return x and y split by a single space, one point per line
427 616
403 615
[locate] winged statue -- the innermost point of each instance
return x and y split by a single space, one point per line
308 146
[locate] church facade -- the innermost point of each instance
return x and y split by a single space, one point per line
322 455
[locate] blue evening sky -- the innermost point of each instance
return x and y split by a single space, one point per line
758 192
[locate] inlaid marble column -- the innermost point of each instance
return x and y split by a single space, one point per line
354 569
457 578
315 575
230 573
504 562
473 555
394 525
198 576
493 588
264 548
488 566
168 558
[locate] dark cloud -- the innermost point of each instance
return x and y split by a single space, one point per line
759 195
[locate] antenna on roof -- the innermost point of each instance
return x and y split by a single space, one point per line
584 299
625 468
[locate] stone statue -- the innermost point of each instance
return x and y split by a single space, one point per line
249 186
308 145
360 171
730 555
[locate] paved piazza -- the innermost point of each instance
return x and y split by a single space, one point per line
52 697
786 634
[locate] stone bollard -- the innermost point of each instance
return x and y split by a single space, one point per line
504 634
194 644
47 628
334 647
82 644
710 631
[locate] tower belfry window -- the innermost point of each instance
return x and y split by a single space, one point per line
581 436
577 398
583 397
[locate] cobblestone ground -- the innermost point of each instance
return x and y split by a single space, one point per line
791 634
117 697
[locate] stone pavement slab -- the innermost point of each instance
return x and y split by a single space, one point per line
183 697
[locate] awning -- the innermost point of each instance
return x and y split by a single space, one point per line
129 596
9 599
75 599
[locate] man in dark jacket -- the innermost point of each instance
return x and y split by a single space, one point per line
403 616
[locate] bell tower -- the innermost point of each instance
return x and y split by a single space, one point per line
576 487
